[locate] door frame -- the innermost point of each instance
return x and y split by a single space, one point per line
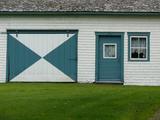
51 31
98 34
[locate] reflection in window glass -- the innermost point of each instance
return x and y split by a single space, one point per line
134 53
142 53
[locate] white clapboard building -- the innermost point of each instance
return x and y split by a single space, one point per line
84 41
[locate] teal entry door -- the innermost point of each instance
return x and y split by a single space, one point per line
109 59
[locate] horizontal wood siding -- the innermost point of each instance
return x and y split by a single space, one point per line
139 73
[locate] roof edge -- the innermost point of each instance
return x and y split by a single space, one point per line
76 13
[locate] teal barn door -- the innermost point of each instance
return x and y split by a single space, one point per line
42 56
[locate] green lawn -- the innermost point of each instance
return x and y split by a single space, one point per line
50 101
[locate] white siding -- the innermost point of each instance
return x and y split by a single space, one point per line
137 73
3 50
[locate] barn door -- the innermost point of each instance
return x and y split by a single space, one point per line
42 56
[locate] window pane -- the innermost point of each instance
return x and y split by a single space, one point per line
109 50
134 42
142 53
142 42
134 53
139 47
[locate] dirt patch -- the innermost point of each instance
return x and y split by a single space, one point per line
156 116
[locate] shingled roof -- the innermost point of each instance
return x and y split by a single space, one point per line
80 6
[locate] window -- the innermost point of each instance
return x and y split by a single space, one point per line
139 47
109 50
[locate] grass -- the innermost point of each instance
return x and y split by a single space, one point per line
49 101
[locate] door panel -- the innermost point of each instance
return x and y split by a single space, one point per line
109 59
42 56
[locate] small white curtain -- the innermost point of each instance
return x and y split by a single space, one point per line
134 42
142 42
110 50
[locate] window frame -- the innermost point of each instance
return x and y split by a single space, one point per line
104 57
147 48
